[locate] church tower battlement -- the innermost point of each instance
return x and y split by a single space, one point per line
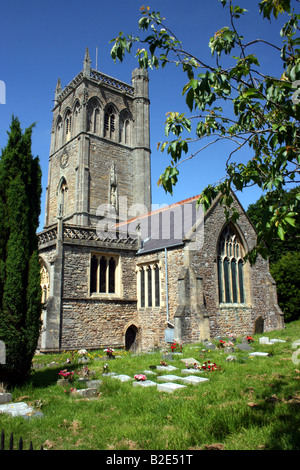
100 147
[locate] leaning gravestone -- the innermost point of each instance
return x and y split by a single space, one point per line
244 347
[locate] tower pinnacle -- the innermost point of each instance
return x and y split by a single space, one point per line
87 64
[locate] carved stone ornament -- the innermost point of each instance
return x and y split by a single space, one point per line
64 160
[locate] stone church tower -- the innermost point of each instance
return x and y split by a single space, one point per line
99 167
100 149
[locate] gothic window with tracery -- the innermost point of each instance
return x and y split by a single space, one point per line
103 274
63 193
58 133
231 267
68 125
93 121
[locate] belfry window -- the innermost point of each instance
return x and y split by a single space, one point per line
93 118
231 267
103 274
68 125
124 129
109 122
58 133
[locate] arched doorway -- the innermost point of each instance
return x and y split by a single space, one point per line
131 338
259 325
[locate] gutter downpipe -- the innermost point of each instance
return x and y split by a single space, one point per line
167 286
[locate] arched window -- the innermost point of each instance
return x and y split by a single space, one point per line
93 121
231 267
109 122
125 128
68 126
63 193
76 118
58 133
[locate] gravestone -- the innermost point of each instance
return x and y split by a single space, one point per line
122 377
144 383
258 353
190 361
244 347
192 371
168 378
169 387
168 368
5 397
210 346
264 340
192 380
86 392
20 409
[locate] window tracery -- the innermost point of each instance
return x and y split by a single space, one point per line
231 267
68 125
109 122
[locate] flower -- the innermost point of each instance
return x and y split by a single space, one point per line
109 351
208 366
176 346
66 375
140 377
82 352
250 339
192 366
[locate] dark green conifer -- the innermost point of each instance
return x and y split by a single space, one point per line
20 293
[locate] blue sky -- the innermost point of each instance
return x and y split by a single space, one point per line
42 40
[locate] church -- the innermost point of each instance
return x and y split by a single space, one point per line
115 272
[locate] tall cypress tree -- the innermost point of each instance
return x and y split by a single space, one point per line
20 293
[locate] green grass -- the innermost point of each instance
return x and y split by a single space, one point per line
250 404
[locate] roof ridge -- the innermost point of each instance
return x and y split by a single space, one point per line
161 209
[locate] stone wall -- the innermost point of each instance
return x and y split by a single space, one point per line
96 320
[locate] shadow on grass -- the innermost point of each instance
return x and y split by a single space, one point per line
49 376
282 414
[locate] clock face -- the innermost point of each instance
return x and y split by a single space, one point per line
64 160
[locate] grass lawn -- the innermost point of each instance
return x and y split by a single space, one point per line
252 403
